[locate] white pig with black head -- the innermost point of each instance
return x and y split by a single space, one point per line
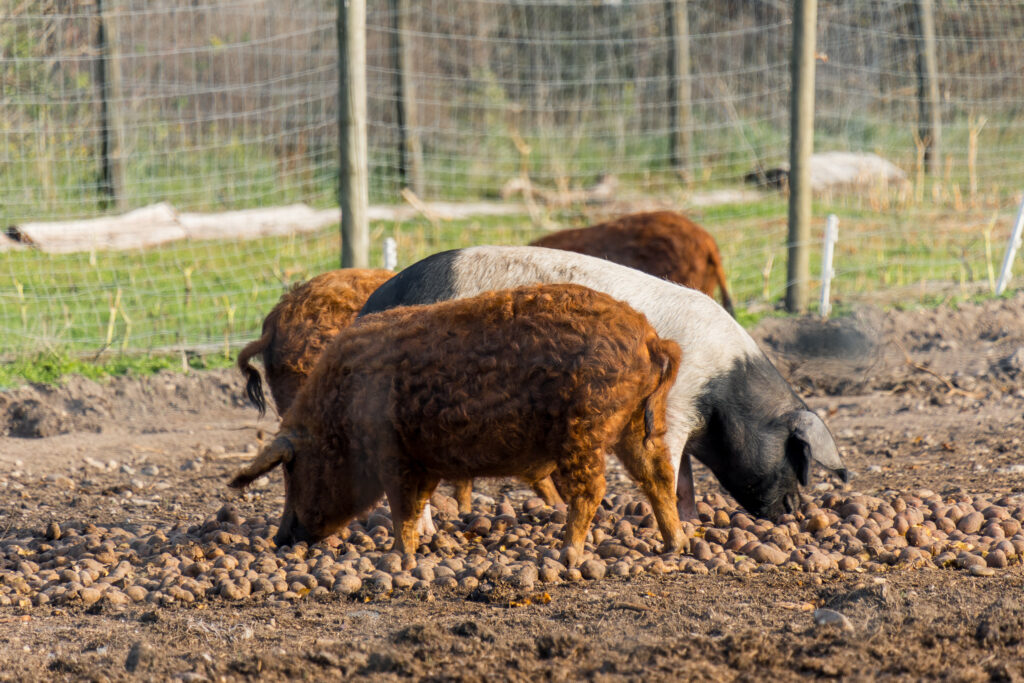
729 407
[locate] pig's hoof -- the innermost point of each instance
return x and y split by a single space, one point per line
570 556
679 544
425 526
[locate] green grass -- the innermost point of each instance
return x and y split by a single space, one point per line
50 368
113 312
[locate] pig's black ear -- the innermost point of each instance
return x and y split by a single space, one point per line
798 453
808 429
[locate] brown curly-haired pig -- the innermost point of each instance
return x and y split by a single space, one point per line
665 244
523 382
298 329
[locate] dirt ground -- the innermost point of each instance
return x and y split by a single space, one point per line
925 399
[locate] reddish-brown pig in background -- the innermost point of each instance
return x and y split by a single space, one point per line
298 328
516 382
665 244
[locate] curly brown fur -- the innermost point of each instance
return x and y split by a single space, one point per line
298 328
301 325
665 244
519 382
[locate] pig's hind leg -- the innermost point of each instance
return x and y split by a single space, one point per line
652 470
464 494
583 485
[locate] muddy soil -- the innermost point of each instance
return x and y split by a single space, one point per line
924 399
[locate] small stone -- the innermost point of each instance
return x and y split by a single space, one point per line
825 616
918 537
593 570
620 569
60 481
116 597
446 507
379 581
848 564
232 591
150 470
818 522
347 584
227 562
447 582
424 573
390 563
968 561
403 580
533 506
611 549
765 554
526 576
498 572
817 562
481 526
996 559
136 593
548 574
971 523
981 570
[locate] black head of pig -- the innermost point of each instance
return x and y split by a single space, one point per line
759 439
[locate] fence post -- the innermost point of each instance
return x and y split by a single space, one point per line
929 118
827 273
390 253
410 150
801 145
112 137
1011 250
353 181
679 104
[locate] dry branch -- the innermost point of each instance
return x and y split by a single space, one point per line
952 388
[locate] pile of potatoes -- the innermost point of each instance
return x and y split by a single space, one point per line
230 557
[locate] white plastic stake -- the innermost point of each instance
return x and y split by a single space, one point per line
827 251
390 253
1011 251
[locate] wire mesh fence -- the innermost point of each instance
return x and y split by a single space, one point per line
109 105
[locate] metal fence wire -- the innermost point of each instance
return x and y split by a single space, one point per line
215 105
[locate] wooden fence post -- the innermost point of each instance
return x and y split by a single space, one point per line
929 116
801 146
679 107
353 180
112 136
410 150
